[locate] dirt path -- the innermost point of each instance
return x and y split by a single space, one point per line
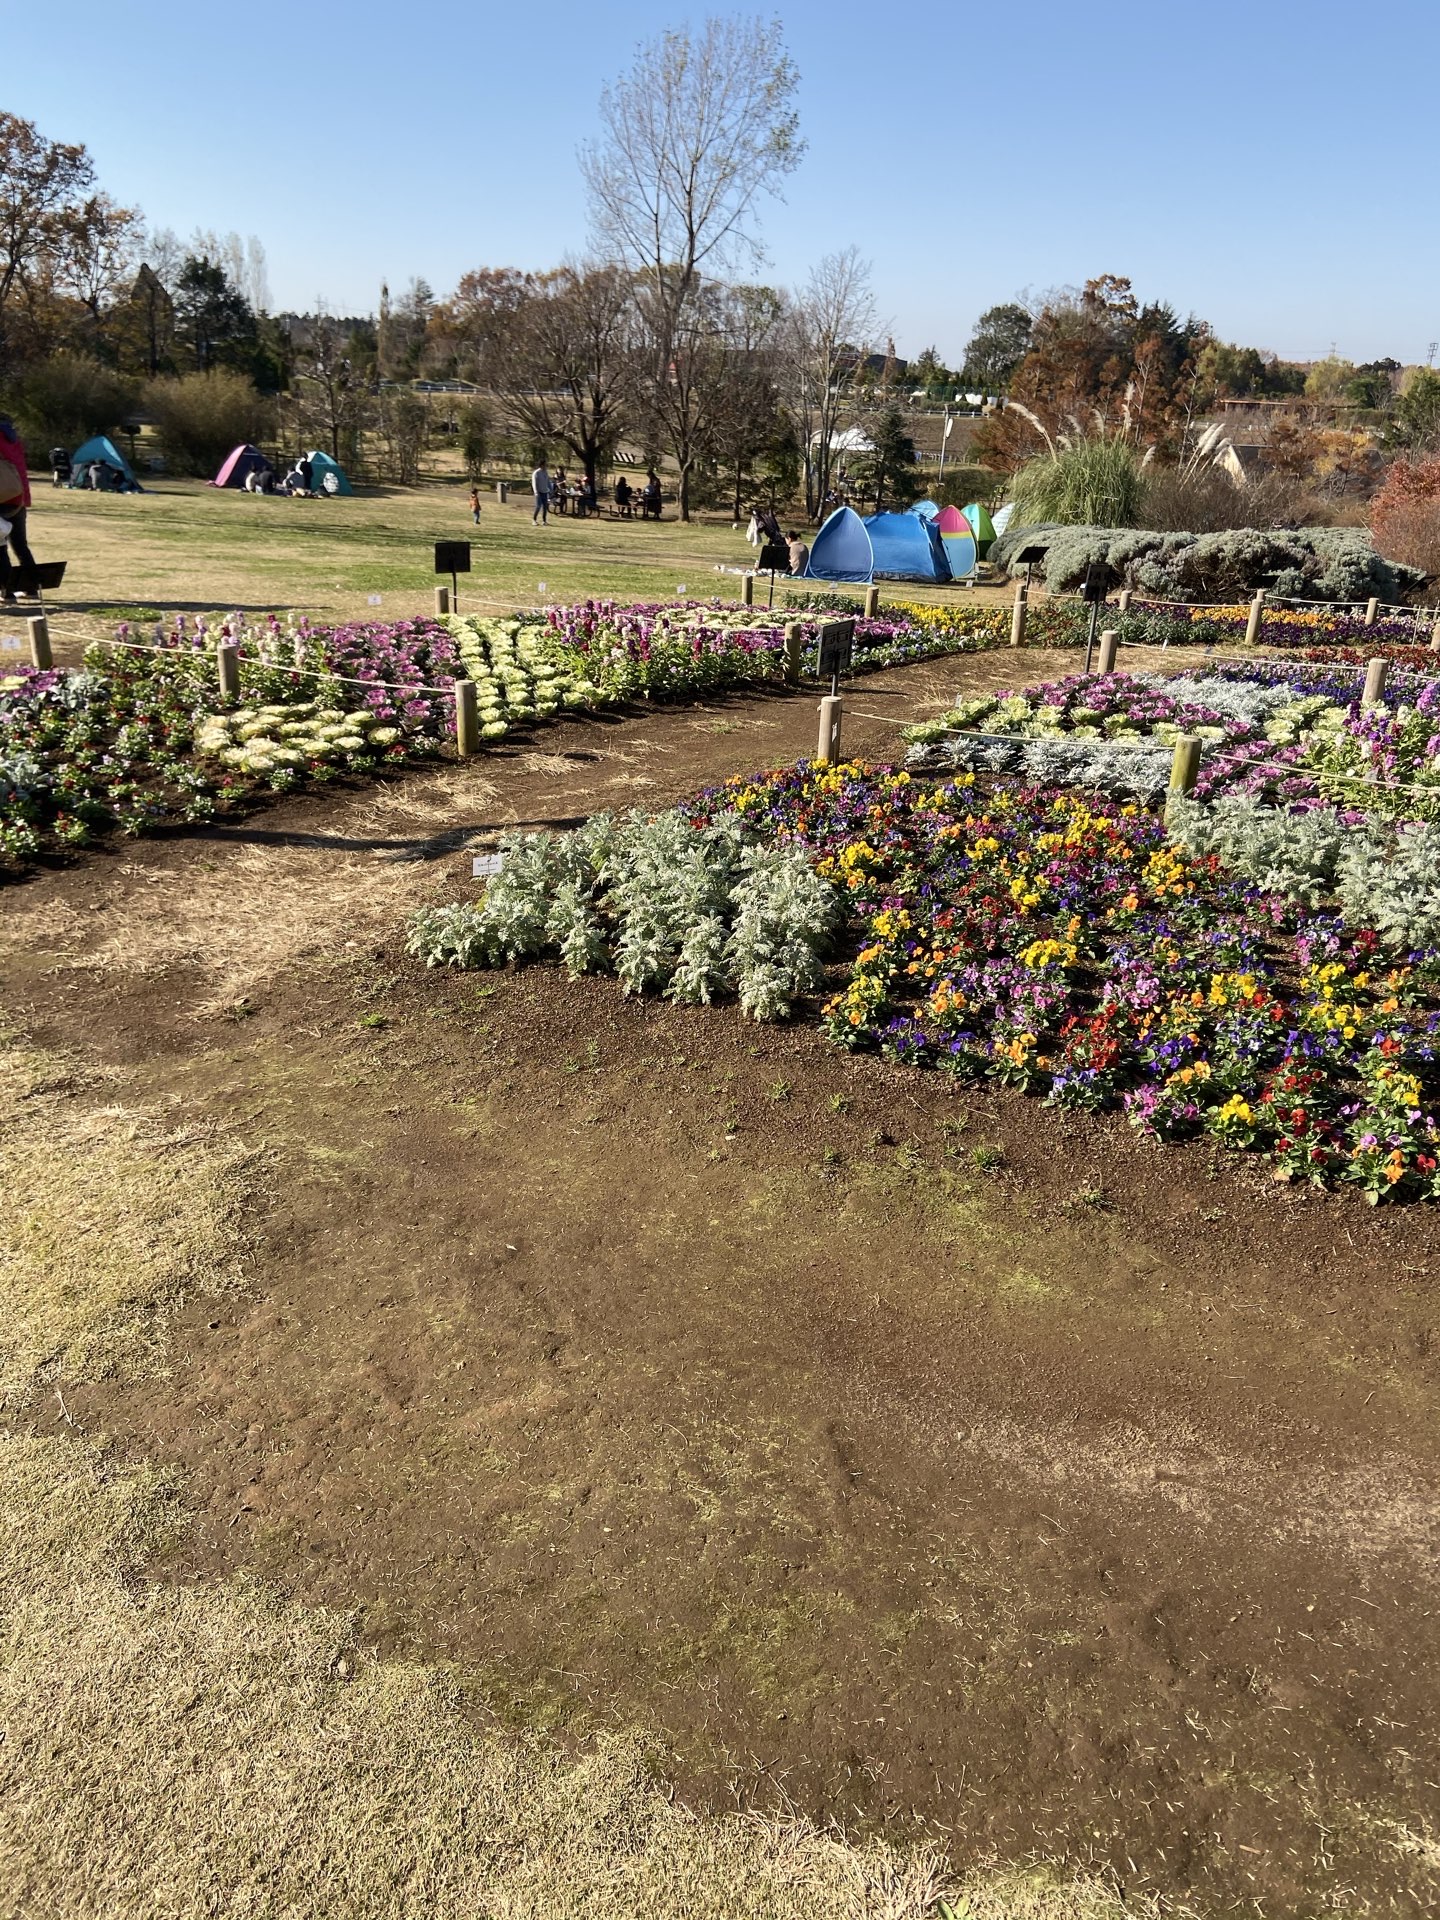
1065 1495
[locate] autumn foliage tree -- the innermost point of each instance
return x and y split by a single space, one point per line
1099 363
1405 516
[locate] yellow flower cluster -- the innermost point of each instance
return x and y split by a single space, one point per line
1166 872
1049 953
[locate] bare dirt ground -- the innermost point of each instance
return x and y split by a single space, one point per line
925 1460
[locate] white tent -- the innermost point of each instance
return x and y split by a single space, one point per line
847 440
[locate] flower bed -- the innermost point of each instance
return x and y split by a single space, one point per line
1058 943
519 673
1292 730
671 649
140 738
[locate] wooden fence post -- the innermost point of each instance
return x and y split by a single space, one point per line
502 491
1435 635
1017 618
1109 642
40 654
1122 603
227 661
794 640
442 602
872 601
1185 766
1257 614
747 590
1374 682
1372 609
467 719
831 713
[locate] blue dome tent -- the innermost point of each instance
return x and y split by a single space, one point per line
906 546
103 449
841 549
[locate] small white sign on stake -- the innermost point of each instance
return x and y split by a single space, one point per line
372 599
486 865
11 643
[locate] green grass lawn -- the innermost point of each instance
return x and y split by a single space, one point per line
186 545
183 545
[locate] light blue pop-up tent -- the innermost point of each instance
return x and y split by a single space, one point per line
907 546
102 448
841 549
927 509
324 471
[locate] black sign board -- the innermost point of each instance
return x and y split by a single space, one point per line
1030 556
1099 578
836 649
452 556
774 557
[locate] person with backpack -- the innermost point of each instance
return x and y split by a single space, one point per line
14 506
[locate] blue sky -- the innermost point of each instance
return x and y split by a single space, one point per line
1268 166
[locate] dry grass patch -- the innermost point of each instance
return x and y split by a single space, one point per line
112 1219
178 1753
242 913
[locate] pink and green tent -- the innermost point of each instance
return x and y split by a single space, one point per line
958 535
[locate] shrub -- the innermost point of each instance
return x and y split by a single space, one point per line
1095 482
66 399
201 416
1406 514
1308 563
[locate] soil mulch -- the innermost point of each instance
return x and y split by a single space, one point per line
919 1456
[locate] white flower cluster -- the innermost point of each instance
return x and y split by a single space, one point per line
516 673
269 740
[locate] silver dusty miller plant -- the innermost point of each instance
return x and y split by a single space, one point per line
690 911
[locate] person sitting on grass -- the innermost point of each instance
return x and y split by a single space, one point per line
799 553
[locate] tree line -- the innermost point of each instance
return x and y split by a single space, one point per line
663 341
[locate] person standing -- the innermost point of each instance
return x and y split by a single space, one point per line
14 506
542 486
475 505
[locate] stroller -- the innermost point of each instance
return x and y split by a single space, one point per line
60 467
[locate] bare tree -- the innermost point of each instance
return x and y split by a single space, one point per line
329 393
242 260
700 130
570 369
750 423
832 323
